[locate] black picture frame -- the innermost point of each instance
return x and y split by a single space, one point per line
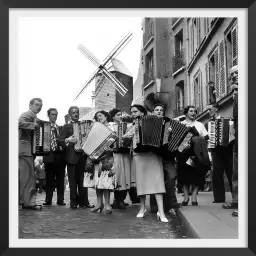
5 5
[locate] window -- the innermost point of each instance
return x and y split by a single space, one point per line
231 47
206 26
149 75
195 35
178 41
178 58
212 21
179 91
216 72
197 91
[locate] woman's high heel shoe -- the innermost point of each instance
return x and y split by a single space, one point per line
184 203
161 219
95 209
141 215
108 211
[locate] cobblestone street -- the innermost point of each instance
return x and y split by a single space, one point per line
62 222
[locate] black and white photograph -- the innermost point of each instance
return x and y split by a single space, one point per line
127 127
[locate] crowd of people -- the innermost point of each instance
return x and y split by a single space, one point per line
137 173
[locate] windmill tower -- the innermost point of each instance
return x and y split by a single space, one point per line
106 74
106 97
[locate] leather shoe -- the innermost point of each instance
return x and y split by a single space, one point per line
47 203
235 213
216 202
73 205
61 203
89 206
230 206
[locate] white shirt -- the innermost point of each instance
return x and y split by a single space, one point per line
199 126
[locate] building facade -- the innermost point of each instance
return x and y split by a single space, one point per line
211 52
157 77
177 46
186 61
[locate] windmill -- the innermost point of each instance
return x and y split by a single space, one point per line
104 69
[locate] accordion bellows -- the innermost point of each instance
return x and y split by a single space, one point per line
42 139
179 135
99 139
151 132
81 131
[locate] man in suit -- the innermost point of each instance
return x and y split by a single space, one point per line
27 179
54 163
221 162
75 161
234 87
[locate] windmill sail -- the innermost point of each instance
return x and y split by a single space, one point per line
103 68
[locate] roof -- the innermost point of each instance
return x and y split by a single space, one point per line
84 110
118 66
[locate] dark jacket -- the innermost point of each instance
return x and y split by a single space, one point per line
58 155
200 151
71 156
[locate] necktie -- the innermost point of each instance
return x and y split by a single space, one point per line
53 138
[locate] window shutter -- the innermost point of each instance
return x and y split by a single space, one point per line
234 46
177 100
196 92
206 81
223 86
200 92
216 59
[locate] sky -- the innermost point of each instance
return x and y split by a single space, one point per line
51 67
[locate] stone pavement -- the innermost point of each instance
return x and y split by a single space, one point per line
62 222
208 220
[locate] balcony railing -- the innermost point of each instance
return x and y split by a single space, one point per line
149 75
178 60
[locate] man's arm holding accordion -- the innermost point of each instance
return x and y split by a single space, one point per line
66 139
26 121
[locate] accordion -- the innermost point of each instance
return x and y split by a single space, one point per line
98 141
122 145
41 144
218 130
80 132
151 132
179 137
